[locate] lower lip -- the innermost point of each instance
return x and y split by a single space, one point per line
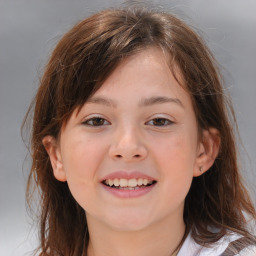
129 193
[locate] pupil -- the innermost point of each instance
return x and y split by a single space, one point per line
98 121
159 121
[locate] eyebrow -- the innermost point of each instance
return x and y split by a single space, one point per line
143 103
102 101
160 100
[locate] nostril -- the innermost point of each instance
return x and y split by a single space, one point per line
135 156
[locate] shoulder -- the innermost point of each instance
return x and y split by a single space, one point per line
227 245
241 247
249 251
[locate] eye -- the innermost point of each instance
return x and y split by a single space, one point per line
160 122
96 121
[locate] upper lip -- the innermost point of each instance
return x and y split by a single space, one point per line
127 175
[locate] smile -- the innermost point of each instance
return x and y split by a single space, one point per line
128 184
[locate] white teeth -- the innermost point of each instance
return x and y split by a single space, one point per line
140 181
132 183
145 182
123 183
128 183
116 182
128 188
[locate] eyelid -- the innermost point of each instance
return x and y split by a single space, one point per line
93 117
168 120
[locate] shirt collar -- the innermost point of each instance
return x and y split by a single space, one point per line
191 248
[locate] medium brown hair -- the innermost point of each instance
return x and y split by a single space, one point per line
78 66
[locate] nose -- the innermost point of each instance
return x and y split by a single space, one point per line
127 144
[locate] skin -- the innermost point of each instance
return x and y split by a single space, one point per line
158 139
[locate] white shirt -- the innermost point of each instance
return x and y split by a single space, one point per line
191 248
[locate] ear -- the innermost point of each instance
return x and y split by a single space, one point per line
52 148
208 150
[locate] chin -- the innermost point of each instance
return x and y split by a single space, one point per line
128 222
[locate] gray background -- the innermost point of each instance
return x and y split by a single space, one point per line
28 31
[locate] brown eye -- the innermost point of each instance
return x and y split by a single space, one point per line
96 121
160 122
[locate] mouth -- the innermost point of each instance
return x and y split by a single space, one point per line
128 184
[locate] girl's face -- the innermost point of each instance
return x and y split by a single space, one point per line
138 128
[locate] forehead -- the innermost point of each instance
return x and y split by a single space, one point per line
147 72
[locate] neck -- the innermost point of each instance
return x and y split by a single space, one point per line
158 239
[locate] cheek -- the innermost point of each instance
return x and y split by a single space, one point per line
178 152
176 159
81 157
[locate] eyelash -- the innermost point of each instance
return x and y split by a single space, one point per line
96 118
167 122
89 122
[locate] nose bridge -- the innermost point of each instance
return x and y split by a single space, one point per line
127 142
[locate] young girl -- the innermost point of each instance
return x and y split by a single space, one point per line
133 150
